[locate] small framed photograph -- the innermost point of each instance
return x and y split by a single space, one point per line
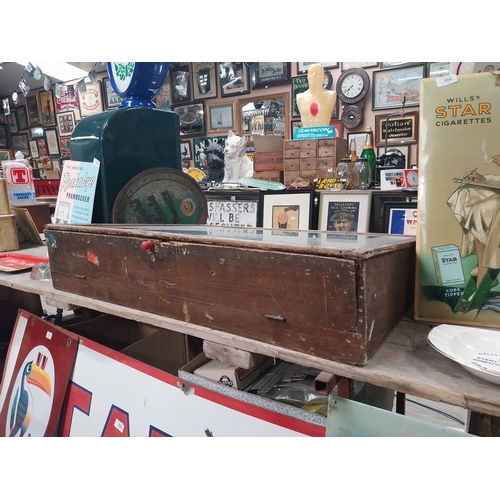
220 117
344 211
34 149
42 147
52 142
349 65
180 84
303 67
266 74
438 69
400 217
4 154
390 85
399 130
111 98
186 150
204 80
339 128
287 209
192 118
4 143
20 142
12 121
22 118
56 164
47 108
359 139
234 78
33 110
64 143
65 123
36 132
91 100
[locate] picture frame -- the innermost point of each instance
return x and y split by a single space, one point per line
220 117
267 74
192 118
303 67
364 65
22 118
68 99
65 123
20 142
33 110
34 149
180 84
42 147
204 80
389 86
438 69
52 142
234 78
111 98
47 108
344 211
338 126
64 143
394 64
12 121
359 139
294 125
200 144
4 141
56 164
399 217
163 99
91 101
401 130
36 132
288 210
186 150
5 154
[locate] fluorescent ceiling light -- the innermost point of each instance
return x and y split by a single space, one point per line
59 70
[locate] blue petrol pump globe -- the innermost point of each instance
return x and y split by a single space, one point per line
137 82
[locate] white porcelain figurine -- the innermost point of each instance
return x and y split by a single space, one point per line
236 162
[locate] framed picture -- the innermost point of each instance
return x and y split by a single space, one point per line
64 143
438 69
186 150
390 85
200 145
4 154
339 128
47 108
344 211
399 130
234 78
65 123
68 99
36 132
204 80
400 217
34 149
33 110
393 64
52 142
20 142
180 84
232 208
192 118
42 147
220 117
111 98
266 74
294 125
91 100
56 164
302 67
359 139
22 118
11 120
163 98
349 65
287 209
4 143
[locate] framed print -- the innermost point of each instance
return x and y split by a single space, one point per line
12 121
67 100
33 110
192 118
91 100
180 83
390 85
393 64
111 98
204 80
163 98
52 142
200 145
400 130
186 150
22 118
287 209
266 74
36 132
64 146
42 147
56 164
4 143
34 149
339 128
220 117
20 142
344 211
294 125
47 108
349 65
4 154
302 67
359 139
65 123
234 78
438 69
400 217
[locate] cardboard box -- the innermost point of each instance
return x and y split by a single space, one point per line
226 373
268 153
270 175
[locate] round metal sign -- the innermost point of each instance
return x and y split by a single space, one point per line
160 196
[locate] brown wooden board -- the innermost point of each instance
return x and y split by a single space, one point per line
332 298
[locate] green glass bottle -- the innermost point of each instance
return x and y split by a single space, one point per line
369 154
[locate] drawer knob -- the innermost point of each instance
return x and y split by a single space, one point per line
147 245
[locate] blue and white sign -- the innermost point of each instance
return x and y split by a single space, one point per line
327 132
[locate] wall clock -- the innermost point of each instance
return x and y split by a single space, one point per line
352 116
353 85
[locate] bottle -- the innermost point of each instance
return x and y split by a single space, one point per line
20 185
344 172
352 148
369 154
362 177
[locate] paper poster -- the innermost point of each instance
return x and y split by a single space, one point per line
403 221
75 200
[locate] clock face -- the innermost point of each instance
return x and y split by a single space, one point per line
353 85
412 178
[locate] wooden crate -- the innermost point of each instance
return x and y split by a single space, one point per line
268 161
336 299
8 231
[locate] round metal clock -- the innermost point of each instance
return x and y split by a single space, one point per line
352 116
353 85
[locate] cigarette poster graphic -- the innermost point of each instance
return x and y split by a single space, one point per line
343 216
75 200
286 216
458 234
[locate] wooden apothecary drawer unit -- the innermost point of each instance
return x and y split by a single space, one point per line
333 296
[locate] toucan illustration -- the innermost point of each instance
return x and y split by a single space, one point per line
19 417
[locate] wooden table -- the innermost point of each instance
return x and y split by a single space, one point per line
405 363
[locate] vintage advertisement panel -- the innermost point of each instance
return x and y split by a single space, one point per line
458 239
